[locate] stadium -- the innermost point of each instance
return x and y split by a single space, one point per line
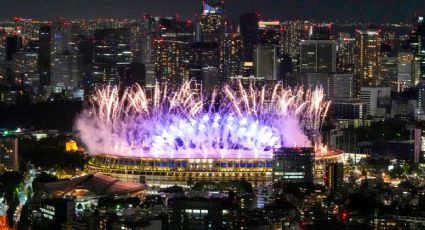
165 172
180 136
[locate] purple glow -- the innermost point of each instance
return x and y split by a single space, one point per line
182 124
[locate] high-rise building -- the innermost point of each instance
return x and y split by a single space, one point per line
25 70
388 65
417 44
293 33
248 27
231 56
212 22
204 55
334 175
334 86
171 51
61 38
169 66
318 56
293 165
112 55
366 58
266 62
341 86
320 31
9 154
85 62
373 97
64 73
44 53
345 53
421 99
347 109
405 71
13 44
269 32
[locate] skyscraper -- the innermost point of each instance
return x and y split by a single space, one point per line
334 175
405 77
345 53
171 49
266 62
204 55
231 56
169 66
13 44
269 32
44 54
248 26
9 154
366 56
112 55
318 56
417 44
373 98
64 73
293 33
320 31
26 70
293 165
212 22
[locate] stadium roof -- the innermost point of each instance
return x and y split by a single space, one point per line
92 185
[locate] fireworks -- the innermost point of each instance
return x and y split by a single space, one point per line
183 123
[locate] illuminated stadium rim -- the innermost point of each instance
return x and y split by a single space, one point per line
331 153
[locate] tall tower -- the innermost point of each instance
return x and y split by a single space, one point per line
417 44
44 58
212 21
367 52
248 26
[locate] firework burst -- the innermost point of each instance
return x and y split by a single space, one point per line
183 123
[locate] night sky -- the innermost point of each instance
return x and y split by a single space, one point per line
360 10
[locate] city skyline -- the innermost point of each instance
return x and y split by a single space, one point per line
329 10
212 114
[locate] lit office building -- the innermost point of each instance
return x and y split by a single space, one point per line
231 56
366 55
203 55
266 62
269 32
334 175
169 61
405 71
44 55
417 44
112 55
389 69
373 98
320 31
293 33
347 109
25 70
64 73
345 53
293 165
212 22
9 154
171 47
318 56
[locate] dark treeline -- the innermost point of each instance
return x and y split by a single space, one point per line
58 115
